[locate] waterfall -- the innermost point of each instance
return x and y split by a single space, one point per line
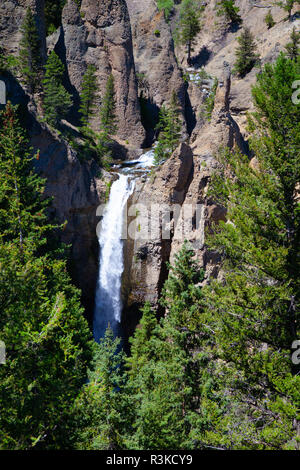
108 305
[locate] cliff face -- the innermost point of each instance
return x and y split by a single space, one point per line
77 192
154 56
217 41
215 50
124 37
180 188
75 186
100 34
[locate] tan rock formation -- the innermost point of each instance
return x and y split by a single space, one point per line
154 53
217 42
182 181
100 34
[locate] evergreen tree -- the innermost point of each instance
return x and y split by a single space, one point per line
288 6
108 124
108 108
30 52
169 127
87 96
254 309
53 10
102 410
293 46
245 53
141 352
189 25
57 101
165 367
47 339
269 20
22 216
229 10
167 6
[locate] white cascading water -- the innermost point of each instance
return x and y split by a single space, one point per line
108 306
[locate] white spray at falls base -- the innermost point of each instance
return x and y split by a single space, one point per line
108 305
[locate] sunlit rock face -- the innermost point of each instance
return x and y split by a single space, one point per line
100 34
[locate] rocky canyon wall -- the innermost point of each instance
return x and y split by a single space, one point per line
99 34
155 60
181 184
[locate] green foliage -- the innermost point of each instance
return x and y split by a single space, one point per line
269 20
170 373
103 409
108 108
188 25
228 9
210 101
47 339
169 127
53 10
107 190
254 309
167 6
22 217
87 95
8 63
246 58
57 101
288 5
99 143
292 47
30 60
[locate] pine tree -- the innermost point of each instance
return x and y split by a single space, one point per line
269 20
169 127
141 349
87 96
108 108
165 368
167 6
21 205
108 124
229 10
288 6
189 25
102 410
53 10
245 53
47 339
57 101
293 46
30 52
254 309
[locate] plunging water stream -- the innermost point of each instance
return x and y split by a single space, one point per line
108 304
